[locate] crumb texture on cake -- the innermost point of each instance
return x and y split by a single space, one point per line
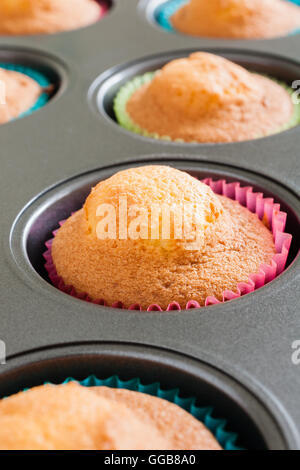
233 244
73 417
245 19
177 425
207 98
20 93
19 17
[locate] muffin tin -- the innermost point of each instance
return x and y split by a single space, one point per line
235 356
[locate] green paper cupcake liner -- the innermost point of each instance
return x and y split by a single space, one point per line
127 90
41 79
217 426
165 11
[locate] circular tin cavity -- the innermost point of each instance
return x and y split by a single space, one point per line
105 88
159 12
41 217
244 413
49 71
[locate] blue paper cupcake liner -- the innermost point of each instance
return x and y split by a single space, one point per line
165 11
41 79
217 426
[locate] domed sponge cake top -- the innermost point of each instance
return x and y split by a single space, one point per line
195 85
46 16
247 19
149 191
73 417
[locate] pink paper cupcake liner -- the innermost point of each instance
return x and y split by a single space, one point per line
265 208
104 8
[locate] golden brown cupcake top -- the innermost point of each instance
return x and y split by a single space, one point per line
174 423
18 94
224 242
248 19
148 191
201 83
207 98
73 417
46 16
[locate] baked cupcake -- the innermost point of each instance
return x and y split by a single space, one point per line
73 417
205 98
237 19
23 17
156 235
20 93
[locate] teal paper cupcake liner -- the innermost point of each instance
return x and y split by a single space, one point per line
165 11
41 79
217 426
127 90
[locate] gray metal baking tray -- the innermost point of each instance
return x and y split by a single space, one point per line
237 356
